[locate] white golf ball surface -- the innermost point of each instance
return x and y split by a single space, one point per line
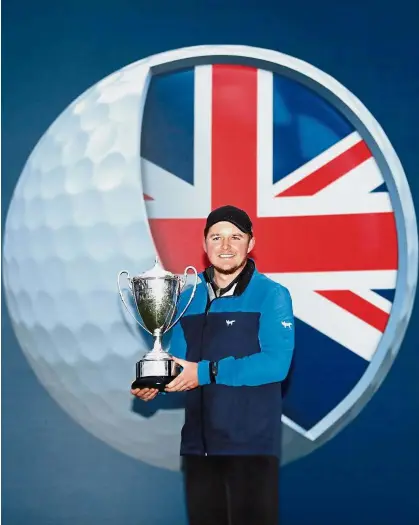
76 219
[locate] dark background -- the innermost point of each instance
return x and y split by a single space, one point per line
54 472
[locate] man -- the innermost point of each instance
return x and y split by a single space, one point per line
235 345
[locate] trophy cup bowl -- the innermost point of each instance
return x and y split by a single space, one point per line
156 293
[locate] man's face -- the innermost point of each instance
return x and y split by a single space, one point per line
227 247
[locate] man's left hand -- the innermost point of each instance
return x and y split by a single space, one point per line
187 379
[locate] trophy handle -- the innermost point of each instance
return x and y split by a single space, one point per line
125 304
185 274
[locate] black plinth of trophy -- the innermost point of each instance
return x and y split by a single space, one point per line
159 382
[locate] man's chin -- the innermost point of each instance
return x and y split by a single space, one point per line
228 269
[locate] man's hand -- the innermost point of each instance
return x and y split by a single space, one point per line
146 394
187 379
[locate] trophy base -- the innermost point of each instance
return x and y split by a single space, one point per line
155 373
158 382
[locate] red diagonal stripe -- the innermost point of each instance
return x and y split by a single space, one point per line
333 170
358 306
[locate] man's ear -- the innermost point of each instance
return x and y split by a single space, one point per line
204 244
252 243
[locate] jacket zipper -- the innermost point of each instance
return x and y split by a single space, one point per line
207 308
204 443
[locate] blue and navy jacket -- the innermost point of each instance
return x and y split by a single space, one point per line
250 334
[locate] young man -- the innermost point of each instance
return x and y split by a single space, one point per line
235 345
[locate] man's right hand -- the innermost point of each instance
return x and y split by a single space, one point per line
146 394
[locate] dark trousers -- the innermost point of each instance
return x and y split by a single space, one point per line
232 490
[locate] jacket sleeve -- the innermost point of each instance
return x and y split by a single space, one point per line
276 338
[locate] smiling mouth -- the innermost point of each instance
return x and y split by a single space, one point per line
226 256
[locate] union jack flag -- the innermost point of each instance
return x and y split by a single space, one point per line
323 218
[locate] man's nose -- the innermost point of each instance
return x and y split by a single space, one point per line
225 244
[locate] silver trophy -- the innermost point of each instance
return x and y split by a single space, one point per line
156 293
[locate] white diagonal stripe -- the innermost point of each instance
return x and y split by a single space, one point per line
335 322
316 163
330 319
268 206
360 180
350 194
374 298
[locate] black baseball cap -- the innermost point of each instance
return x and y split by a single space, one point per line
231 214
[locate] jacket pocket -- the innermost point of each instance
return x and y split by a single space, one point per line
223 413
243 416
240 415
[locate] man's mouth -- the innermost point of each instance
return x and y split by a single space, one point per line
226 255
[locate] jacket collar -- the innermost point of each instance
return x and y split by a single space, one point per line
238 285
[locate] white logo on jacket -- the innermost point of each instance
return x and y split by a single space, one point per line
286 325
229 323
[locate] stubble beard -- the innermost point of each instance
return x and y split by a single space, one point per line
230 271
